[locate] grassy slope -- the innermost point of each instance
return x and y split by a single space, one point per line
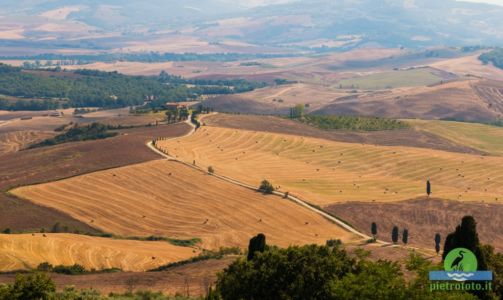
485 138
394 79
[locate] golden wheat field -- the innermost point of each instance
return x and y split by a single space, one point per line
26 251
169 199
324 172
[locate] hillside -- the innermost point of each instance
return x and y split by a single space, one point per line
325 172
27 251
165 198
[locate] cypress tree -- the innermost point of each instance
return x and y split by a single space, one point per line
405 236
465 236
428 188
373 229
437 242
394 235
257 244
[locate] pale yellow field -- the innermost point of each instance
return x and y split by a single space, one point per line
482 137
26 251
169 199
14 141
325 172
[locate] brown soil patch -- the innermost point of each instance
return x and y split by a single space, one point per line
240 104
408 137
169 199
424 218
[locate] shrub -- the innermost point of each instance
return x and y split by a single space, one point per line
266 187
76 269
354 123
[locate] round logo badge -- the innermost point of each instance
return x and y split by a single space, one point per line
460 260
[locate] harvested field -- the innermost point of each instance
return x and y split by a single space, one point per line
393 79
407 137
492 93
469 65
287 96
169 199
194 278
66 160
15 141
485 138
70 159
240 104
423 217
454 100
325 172
27 251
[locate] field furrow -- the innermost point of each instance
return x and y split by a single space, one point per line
326 172
169 199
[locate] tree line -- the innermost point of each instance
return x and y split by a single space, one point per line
52 89
346 122
495 57
148 57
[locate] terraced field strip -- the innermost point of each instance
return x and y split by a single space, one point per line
26 251
486 138
167 198
327 172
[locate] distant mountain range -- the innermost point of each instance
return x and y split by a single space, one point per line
295 24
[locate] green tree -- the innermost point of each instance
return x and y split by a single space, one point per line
373 229
438 239
257 244
293 273
211 170
465 236
405 236
428 188
266 187
394 234
37 286
382 280
56 228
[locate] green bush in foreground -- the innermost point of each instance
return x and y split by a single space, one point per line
40 287
323 272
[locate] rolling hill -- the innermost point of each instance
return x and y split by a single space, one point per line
325 172
27 251
165 198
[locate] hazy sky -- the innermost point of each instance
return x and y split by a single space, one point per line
261 2
498 2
